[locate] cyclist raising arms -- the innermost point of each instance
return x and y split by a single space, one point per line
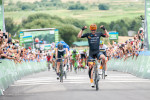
93 40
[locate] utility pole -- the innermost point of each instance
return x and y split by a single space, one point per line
145 26
4 29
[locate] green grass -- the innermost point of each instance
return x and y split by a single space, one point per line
119 9
90 16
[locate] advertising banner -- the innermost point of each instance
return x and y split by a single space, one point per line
113 35
56 36
47 47
27 39
21 38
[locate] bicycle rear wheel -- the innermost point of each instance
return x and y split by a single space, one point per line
103 72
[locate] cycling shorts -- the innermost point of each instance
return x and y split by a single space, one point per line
83 56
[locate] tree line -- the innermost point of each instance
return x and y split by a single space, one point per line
51 5
69 27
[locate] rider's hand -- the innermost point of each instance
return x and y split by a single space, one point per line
51 60
85 27
102 27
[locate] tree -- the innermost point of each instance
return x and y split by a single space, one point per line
10 26
68 33
123 31
103 7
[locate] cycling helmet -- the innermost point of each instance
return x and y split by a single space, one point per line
60 46
93 27
84 50
74 51
101 42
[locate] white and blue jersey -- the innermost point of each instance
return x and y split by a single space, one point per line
64 45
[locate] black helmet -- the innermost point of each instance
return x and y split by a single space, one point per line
60 46
74 51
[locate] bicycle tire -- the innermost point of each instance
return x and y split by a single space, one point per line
71 67
96 77
61 73
103 72
65 74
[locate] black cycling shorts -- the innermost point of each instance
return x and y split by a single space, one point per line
83 56
93 55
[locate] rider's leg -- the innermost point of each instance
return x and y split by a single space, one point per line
58 66
90 64
102 56
73 62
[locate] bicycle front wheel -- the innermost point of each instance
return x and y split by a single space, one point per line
61 73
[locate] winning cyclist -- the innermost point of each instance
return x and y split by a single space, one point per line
61 51
102 49
93 40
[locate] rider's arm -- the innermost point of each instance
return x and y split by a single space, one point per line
106 33
81 32
66 51
51 57
56 53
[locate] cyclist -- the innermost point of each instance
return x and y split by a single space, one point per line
61 51
74 56
48 60
102 49
93 40
83 55
53 58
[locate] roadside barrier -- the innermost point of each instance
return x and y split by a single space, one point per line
139 67
10 72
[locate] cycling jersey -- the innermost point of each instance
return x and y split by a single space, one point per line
103 49
93 40
83 54
61 52
74 54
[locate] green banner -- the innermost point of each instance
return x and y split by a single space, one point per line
27 39
148 18
1 15
21 38
113 35
47 47
56 36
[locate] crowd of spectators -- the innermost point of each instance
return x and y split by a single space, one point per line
131 48
10 49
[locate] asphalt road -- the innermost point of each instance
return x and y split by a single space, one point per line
44 86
